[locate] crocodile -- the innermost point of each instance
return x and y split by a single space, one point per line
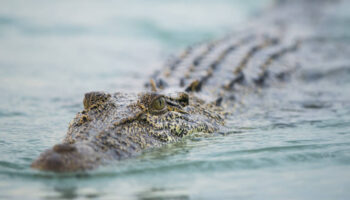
194 92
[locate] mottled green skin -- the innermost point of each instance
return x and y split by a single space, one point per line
116 126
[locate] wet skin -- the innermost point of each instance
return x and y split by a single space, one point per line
117 126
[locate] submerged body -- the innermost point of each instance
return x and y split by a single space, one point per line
193 93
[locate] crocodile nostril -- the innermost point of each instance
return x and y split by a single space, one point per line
54 162
64 148
92 98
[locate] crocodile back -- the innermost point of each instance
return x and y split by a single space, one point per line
277 44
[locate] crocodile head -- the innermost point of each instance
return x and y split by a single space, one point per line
116 126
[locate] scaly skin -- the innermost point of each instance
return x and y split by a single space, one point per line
193 93
119 125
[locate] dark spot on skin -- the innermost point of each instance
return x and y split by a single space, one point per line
64 148
195 86
261 80
184 99
182 82
231 48
232 97
197 61
283 76
218 101
161 84
175 64
214 64
85 118
239 79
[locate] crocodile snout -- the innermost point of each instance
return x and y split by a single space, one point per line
66 158
50 160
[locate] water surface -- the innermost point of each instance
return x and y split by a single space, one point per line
51 53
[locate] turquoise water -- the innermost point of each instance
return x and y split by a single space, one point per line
51 53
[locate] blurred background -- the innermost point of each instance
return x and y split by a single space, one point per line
61 47
52 52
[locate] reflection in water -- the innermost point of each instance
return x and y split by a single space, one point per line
65 192
163 194
73 192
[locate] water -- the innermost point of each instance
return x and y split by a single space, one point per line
51 53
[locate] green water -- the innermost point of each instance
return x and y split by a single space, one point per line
288 146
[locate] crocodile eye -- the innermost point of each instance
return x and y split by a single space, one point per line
158 104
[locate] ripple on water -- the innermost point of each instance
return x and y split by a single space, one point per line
5 114
292 144
10 165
